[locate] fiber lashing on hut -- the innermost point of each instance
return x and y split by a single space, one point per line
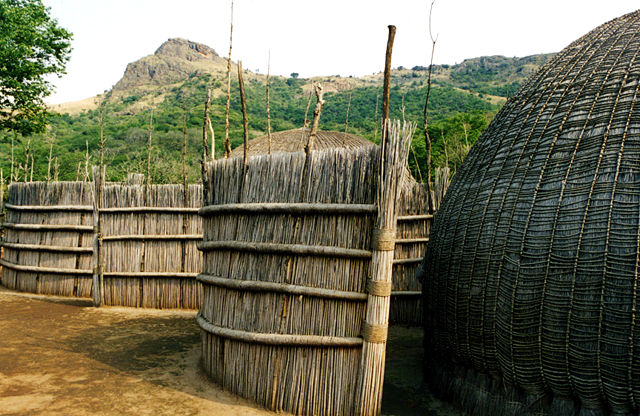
28 247
132 243
299 379
532 270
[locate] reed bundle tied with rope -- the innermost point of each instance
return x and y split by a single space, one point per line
288 296
48 238
533 268
149 245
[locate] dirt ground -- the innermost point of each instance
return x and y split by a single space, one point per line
63 357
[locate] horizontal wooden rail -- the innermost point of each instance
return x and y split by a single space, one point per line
176 275
278 339
159 210
276 248
408 261
152 237
421 217
406 293
83 208
38 269
48 227
42 247
261 286
300 208
412 240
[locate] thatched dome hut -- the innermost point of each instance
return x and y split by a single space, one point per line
532 272
294 140
414 223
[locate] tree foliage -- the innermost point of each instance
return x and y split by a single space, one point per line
32 45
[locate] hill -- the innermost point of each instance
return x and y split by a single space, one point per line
464 99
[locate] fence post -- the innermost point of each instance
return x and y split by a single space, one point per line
98 284
393 154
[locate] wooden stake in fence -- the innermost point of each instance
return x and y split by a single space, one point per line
393 156
11 174
427 138
306 111
150 135
98 283
316 118
227 143
245 120
268 110
387 82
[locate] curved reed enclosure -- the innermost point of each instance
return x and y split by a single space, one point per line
48 240
298 251
532 271
414 221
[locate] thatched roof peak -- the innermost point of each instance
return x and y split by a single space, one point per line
294 140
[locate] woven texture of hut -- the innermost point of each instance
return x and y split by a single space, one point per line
414 222
532 272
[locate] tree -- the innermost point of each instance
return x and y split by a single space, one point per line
294 75
32 45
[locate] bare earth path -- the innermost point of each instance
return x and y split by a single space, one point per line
63 357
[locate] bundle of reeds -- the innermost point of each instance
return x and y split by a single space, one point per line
287 309
47 246
531 294
149 245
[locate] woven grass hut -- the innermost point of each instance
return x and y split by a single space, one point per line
414 222
531 290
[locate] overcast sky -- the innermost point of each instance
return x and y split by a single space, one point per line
322 37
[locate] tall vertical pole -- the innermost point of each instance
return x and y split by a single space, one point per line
98 284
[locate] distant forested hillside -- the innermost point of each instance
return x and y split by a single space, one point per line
464 99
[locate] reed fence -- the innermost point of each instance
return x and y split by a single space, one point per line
47 247
141 239
298 251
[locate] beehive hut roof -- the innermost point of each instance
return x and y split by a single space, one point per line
532 269
294 141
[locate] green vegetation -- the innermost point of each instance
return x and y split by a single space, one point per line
32 45
457 117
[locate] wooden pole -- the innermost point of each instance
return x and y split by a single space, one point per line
205 145
268 109
227 143
101 144
245 120
387 81
393 154
184 146
346 121
50 139
316 118
306 112
150 135
427 138
11 174
98 284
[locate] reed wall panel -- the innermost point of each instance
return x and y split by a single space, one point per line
148 255
48 194
406 302
301 379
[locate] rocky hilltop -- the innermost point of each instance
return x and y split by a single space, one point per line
175 60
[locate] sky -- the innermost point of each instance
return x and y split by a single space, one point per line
321 37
